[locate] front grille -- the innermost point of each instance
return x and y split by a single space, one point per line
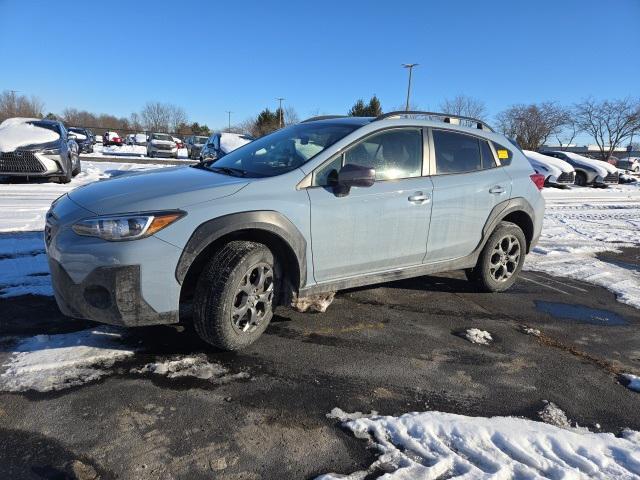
162 146
567 177
20 162
611 178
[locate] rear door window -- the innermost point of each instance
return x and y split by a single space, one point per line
456 152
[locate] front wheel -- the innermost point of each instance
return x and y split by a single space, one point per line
501 259
581 179
235 295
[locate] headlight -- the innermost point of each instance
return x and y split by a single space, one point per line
51 151
126 227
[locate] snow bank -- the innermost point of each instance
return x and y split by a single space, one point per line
442 445
55 362
475 335
579 224
19 134
315 303
130 150
197 366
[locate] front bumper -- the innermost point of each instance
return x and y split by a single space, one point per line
109 294
129 283
30 164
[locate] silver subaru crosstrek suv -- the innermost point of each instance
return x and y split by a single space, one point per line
313 208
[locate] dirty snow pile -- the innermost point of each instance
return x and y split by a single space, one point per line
196 366
435 445
23 265
55 362
16 132
580 223
475 335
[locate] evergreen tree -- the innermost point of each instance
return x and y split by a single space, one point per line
266 122
372 109
358 109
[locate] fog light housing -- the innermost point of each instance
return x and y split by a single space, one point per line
97 296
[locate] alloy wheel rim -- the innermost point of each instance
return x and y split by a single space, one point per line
252 302
504 258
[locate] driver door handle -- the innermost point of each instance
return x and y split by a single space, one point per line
419 197
497 189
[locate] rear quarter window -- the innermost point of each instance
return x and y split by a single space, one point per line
505 155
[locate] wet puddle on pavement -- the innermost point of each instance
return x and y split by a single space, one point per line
581 314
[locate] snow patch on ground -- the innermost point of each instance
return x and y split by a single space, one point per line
196 366
580 223
475 335
315 303
23 265
434 445
55 362
634 381
24 204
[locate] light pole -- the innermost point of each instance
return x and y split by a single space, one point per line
410 67
229 127
280 112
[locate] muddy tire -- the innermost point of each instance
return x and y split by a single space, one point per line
235 295
501 259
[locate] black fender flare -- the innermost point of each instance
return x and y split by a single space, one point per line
499 212
265 220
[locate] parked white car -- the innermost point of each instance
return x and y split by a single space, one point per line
555 171
631 164
588 171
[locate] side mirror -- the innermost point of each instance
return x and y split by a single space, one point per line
351 175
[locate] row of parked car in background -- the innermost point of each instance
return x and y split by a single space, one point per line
561 168
54 151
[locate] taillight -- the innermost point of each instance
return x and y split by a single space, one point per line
538 179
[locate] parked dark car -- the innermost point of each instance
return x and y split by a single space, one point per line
53 153
84 138
194 144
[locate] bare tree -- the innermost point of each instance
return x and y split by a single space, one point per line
609 122
290 116
13 105
567 133
156 117
177 117
531 125
464 106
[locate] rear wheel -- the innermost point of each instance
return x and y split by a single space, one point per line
581 179
235 295
501 259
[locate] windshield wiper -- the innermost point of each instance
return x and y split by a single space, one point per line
234 172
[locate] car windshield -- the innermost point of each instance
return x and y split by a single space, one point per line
162 136
201 140
281 151
49 126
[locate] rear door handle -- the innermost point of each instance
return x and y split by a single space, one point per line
497 189
419 197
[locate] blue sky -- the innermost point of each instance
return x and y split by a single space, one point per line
321 56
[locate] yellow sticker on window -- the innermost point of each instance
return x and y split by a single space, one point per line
502 154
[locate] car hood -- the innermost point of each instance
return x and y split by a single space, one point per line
162 189
553 165
602 168
163 142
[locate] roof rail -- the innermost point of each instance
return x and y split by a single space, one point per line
322 117
446 117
